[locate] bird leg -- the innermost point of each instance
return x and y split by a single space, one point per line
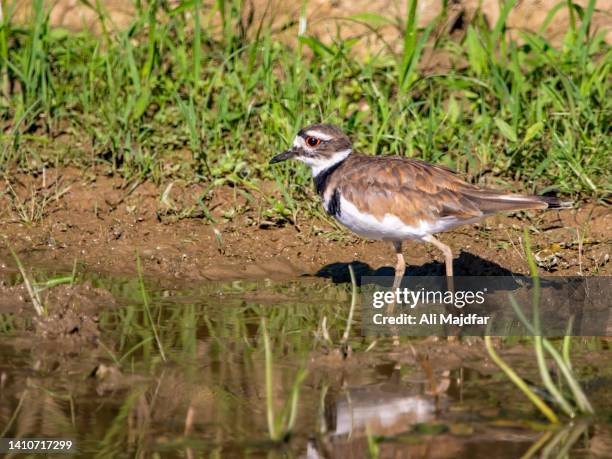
448 260
448 263
446 250
400 269
400 266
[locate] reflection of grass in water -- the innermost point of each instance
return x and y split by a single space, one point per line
117 436
145 302
557 442
373 448
217 342
233 337
219 313
280 427
579 402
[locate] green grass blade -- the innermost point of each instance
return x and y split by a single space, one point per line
145 301
520 383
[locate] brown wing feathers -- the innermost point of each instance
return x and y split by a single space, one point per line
414 190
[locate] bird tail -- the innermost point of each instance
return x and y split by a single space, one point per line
492 202
555 203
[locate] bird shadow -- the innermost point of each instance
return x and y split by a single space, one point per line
565 298
467 264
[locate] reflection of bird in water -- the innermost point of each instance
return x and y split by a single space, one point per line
411 426
383 409
387 409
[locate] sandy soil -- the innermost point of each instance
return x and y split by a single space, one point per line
102 222
323 16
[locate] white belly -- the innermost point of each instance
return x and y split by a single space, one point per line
390 228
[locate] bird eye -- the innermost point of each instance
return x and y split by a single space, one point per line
312 141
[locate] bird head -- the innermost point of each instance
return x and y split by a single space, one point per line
319 146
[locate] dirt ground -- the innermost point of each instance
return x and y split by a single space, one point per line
101 222
323 16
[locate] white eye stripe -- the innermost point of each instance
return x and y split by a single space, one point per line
298 142
319 135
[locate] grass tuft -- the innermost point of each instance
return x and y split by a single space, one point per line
579 402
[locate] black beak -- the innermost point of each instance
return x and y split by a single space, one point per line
284 156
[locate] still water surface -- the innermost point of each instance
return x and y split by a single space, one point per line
184 375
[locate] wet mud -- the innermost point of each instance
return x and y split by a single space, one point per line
69 321
185 232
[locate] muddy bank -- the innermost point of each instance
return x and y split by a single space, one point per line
69 323
187 232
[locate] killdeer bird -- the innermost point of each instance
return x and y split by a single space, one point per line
396 199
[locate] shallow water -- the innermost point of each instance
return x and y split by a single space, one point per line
184 375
